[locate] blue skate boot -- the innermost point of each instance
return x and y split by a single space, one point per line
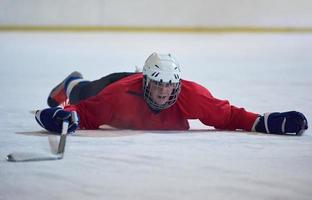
58 94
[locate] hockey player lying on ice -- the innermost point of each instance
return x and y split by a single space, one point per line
157 99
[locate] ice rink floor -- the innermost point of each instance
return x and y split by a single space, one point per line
260 72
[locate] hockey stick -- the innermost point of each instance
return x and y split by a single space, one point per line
28 157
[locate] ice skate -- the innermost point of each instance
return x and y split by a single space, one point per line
58 94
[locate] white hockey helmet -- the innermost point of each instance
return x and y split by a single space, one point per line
161 69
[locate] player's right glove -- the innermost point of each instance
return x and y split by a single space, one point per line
281 123
52 119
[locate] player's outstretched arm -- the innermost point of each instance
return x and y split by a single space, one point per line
281 123
51 119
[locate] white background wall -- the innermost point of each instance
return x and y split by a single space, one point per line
292 13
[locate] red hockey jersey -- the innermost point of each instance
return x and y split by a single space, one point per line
122 105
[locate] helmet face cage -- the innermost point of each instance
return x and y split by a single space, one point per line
157 84
161 82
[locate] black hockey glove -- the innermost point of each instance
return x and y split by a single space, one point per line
281 123
52 118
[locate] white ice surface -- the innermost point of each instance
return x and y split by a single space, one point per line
261 72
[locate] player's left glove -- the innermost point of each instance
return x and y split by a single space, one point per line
52 118
281 123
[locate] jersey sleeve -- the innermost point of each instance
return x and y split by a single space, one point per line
198 103
94 111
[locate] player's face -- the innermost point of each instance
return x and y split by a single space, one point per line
161 92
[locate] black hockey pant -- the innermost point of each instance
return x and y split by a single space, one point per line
86 89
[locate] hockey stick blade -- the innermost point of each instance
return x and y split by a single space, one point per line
29 157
